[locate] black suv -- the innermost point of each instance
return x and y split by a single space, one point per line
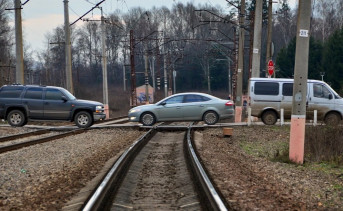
19 103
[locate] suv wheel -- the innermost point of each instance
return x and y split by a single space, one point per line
83 119
16 118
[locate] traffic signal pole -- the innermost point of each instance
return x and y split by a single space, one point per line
298 119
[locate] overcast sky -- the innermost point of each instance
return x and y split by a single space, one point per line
42 16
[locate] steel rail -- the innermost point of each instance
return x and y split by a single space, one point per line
97 198
23 135
206 185
38 141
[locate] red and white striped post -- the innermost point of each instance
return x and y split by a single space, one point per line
298 119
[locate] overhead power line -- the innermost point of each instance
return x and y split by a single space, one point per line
80 18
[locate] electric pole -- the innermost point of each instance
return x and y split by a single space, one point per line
146 62
256 54
133 71
269 34
19 43
165 68
240 69
69 77
298 119
104 66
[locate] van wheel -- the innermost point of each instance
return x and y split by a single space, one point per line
83 119
332 119
269 118
16 118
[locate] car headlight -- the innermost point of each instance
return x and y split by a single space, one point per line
134 110
98 109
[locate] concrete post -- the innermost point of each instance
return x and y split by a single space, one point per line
104 66
298 119
256 54
19 44
165 69
239 88
269 35
69 77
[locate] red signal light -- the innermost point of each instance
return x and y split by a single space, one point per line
229 103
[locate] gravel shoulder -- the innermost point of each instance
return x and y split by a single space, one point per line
46 176
242 169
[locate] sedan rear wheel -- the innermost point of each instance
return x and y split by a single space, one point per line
148 119
210 117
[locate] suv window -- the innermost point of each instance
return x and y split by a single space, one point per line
195 98
266 88
10 92
34 93
287 89
53 94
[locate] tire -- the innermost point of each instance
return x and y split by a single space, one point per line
269 117
83 119
210 117
16 118
148 119
332 119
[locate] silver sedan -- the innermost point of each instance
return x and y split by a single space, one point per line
184 107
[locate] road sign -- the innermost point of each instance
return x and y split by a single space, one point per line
270 67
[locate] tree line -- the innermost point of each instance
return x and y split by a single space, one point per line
198 42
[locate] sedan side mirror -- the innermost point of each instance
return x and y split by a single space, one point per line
163 103
330 96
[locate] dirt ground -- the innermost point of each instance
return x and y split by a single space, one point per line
242 168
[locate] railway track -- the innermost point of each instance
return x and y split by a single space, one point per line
32 138
159 171
14 142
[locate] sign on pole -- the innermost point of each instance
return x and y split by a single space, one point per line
270 67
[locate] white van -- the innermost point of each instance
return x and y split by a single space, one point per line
269 95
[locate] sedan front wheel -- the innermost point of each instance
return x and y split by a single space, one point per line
148 119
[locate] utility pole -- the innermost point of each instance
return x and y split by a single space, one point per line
146 62
256 54
298 119
269 35
104 66
69 76
133 72
165 68
19 43
240 68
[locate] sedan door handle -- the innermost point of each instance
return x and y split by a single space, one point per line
201 105
178 107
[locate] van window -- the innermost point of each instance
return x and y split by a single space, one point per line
287 89
319 90
266 88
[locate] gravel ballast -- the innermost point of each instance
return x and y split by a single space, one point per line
45 176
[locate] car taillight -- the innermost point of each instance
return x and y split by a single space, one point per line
229 103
